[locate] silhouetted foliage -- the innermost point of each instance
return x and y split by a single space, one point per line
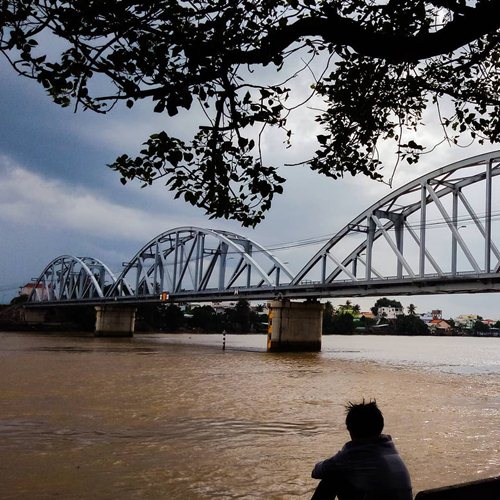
328 314
410 325
172 317
148 317
349 308
479 326
382 65
341 320
367 321
242 313
206 318
342 323
20 299
242 319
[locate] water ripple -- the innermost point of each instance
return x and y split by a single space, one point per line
16 431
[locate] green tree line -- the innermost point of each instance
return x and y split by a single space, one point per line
346 318
203 318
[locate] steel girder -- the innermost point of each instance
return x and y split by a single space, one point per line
193 259
415 232
69 278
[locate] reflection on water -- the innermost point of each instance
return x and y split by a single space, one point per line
165 416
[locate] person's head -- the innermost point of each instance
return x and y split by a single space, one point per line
364 420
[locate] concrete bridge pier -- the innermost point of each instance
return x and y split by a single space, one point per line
115 321
35 316
295 326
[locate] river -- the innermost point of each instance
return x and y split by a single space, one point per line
176 417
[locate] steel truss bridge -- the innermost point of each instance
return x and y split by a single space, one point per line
434 235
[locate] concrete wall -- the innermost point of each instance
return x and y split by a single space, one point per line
295 326
35 316
114 321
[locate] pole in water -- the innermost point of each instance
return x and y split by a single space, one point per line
224 340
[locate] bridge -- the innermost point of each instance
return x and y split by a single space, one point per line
434 235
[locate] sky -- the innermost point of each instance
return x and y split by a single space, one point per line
57 196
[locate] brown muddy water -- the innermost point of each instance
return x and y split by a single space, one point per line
175 417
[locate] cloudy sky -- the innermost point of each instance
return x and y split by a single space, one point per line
58 197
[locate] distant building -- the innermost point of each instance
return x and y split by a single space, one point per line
439 327
367 314
40 291
437 314
389 312
426 317
466 321
220 307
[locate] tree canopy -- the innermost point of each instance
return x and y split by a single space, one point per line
383 64
410 325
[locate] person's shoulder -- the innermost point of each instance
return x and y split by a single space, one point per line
385 442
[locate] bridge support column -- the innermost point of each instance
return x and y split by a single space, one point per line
114 321
35 316
294 326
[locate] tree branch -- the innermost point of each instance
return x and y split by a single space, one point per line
392 47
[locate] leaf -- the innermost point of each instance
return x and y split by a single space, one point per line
160 107
171 109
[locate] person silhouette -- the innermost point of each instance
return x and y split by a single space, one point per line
368 467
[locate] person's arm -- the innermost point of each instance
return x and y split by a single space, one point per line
326 467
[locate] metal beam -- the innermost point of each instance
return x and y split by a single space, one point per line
487 238
425 252
339 264
394 247
454 230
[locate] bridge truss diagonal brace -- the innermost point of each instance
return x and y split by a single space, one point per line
185 265
341 266
373 270
456 234
391 243
491 246
426 252
397 221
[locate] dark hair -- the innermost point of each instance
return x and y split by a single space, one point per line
364 419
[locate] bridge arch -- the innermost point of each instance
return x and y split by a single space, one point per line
72 278
416 231
193 259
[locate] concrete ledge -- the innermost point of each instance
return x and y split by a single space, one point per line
484 489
